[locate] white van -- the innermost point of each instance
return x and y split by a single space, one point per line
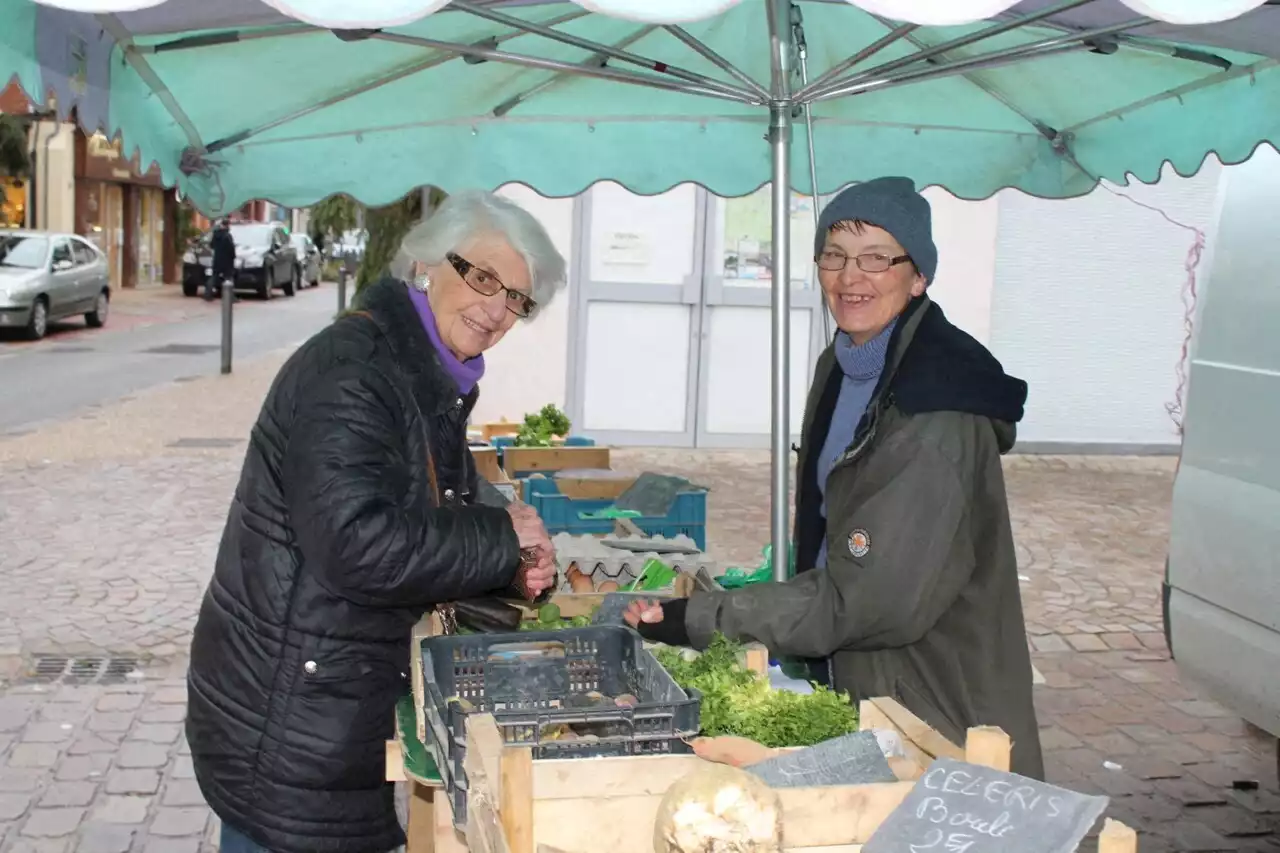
1222 593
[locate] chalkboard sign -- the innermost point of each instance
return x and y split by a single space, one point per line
963 808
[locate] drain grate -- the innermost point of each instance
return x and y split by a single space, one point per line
182 349
205 442
89 669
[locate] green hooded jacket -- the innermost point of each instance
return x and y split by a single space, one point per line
919 600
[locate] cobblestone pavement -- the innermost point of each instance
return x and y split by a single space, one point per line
110 532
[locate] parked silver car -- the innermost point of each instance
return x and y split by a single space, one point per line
47 276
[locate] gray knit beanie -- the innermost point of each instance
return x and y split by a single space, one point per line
892 204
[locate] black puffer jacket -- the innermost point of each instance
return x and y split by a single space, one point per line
224 252
334 547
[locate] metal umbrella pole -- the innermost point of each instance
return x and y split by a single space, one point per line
780 150
802 51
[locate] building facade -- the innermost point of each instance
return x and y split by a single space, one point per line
125 211
82 183
663 336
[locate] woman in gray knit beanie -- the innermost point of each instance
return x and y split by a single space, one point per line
906 583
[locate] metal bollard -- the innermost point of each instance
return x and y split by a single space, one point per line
228 299
342 290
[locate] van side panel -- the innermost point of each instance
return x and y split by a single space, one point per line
1224 551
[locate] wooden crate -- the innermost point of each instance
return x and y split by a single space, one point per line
518 460
517 805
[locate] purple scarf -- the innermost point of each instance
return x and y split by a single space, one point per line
464 373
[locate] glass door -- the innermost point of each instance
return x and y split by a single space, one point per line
735 380
634 353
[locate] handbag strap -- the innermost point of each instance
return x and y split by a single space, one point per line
446 611
432 477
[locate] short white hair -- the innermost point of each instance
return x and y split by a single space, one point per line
467 215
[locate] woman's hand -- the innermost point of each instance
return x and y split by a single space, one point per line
640 610
537 571
529 528
659 622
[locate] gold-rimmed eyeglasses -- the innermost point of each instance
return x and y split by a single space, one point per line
487 284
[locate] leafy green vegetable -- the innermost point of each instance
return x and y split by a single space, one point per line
737 701
538 428
549 621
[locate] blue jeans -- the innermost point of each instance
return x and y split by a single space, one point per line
235 841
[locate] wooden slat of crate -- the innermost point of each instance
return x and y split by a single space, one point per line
430 828
597 488
490 430
487 464
518 459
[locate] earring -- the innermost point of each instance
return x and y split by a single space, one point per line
421 280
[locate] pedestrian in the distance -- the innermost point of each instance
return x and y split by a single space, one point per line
224 259
907 583
356 513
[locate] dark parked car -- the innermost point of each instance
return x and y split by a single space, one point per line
265 260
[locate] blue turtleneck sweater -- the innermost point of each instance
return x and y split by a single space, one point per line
862 366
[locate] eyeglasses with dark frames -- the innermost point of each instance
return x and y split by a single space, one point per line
834 260
487 284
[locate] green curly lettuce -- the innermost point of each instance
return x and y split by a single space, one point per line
738 701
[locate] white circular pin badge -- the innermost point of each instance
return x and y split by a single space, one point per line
859 543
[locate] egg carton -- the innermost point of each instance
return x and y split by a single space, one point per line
602 563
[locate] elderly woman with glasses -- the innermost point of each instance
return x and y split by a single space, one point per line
907 582
357 511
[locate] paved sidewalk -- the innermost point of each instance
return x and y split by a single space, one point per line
130 309
110 531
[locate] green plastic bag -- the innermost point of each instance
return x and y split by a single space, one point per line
654 575
736 578
608 513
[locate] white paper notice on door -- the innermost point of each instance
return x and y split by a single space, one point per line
625 249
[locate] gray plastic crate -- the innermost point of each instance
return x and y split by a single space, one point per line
533 681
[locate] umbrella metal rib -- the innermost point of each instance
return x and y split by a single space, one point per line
1236 71
1007 56
432 61
719 61
802 54
221 37
588 44
1151 45
960 41
982 85
147 74
863 55
602 73
594 61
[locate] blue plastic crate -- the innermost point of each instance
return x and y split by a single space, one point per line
559 513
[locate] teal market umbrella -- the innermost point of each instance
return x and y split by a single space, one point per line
293 100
